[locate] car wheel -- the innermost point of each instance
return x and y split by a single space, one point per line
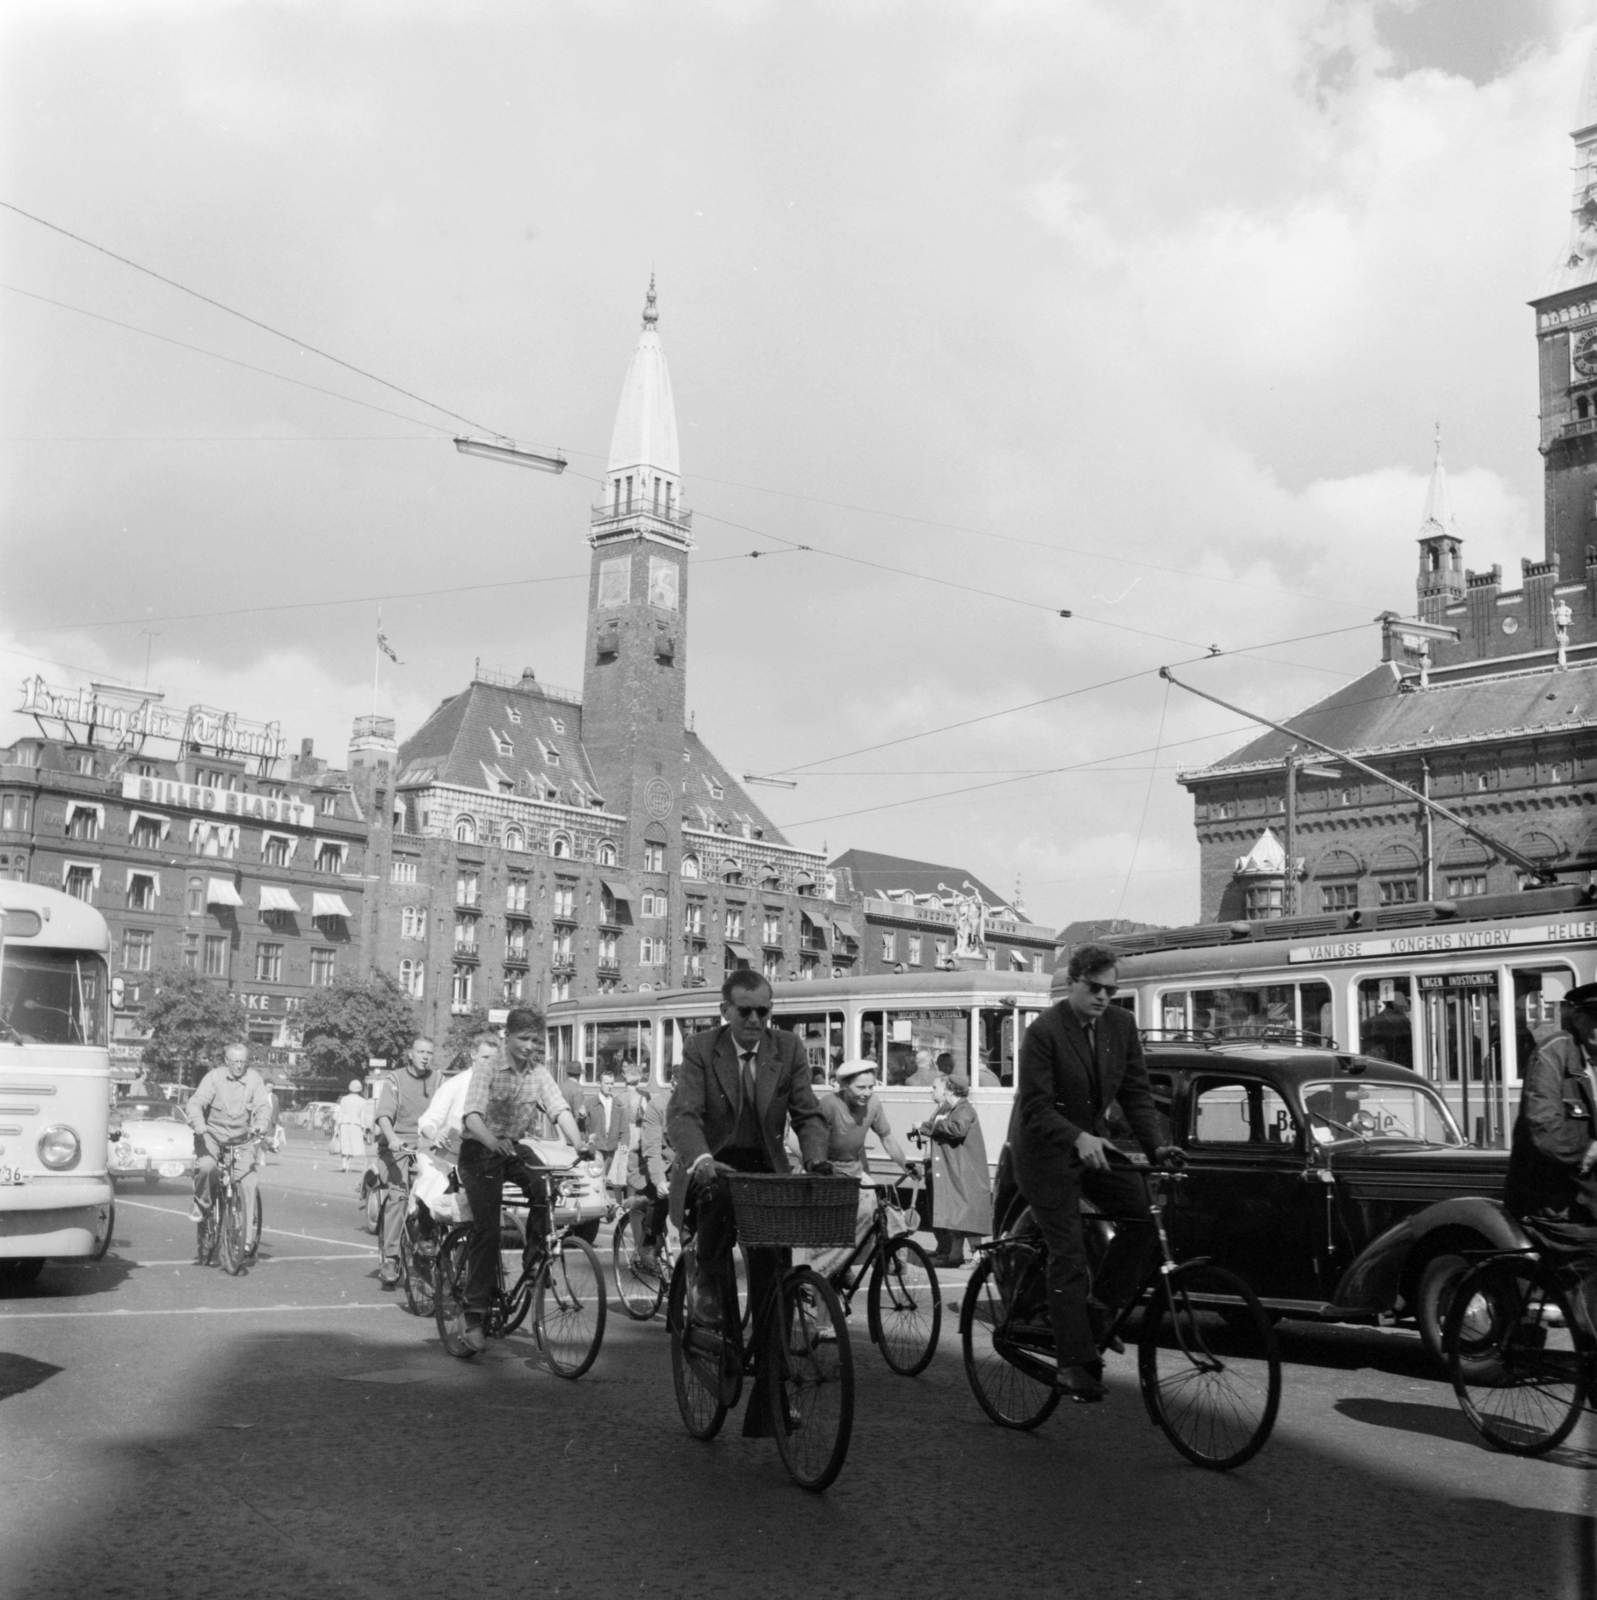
1438 1279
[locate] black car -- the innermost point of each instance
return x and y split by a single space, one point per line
1339 1186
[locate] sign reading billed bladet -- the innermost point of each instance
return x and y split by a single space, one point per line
1440 941
224 802
124 716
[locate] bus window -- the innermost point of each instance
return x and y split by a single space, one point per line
614 1046
52 997
1386 1020
678 1030
822 1034
1537 993
920 1044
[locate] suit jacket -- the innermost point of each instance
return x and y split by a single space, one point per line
606 1135
1063 1091
654 1154
1557 1121
703 1114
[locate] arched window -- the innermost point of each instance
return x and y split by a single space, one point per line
196 897
731 871
690 866
410 978
515 839
607 853
465 830
561 848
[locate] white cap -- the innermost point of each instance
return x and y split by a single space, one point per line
852 1069
354 1085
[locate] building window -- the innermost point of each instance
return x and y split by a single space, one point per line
716 791
560 947
330 858
608 950
141 891
461 988
268 963
607 853
412 922
889 947
693 919
191 951
410 977
466 933
515 839
196 897
502 743
402 872
914 949
734 924
146 834
513 714
651 952
83 762
1460 886
322 965
329 805
138 949
771 966
560 849
772 929
651 904
80 883
514 982
516 938
654 858
516 894
560 988
1262 901
83 824
15 811
465 830
945 952
274 850
1339 896
1400 891
565 903
690 866
215 955
466 885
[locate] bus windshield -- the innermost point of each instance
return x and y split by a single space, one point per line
52 997
1366 1111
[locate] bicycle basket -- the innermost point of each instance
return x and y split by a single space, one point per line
794 1208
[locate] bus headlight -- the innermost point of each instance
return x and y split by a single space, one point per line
59 1148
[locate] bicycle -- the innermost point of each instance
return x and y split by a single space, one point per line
1520 1352
559 1281
1217 1410
799 1339
642 1287
904 1309
226 1227
418 1247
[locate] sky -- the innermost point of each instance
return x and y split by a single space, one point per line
1146 311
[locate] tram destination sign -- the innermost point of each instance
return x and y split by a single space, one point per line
1444 941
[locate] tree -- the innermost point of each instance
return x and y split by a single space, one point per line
191 1021
354 1019
465 1029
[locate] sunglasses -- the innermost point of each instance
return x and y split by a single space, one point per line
762 1012
1101 988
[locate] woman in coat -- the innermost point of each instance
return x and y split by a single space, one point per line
349 1126
962 1195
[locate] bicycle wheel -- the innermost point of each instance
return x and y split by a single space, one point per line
809 1378
1519 1365
235 1230
569 1308
257 1222
1212 1382
417 1266
640 1288
695 1359
1012 1395
905 1307
449 1293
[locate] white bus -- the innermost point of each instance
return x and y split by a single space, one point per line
911 1024
55 1081
1462 991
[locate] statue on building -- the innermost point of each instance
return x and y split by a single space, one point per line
970 919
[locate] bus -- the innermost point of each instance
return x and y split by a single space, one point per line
911 1024
55 1080
1461 991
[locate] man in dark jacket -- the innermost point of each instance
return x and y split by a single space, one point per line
1552 1167
1077 1059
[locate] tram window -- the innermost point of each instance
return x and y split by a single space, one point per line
678 1030
560 1044
920 1044
614 1046
1227 1112
1386 1020
1537 993
822 1036
1314 1010
995 1047
1251 1012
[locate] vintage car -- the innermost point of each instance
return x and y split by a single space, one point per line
1339 1186
155 1142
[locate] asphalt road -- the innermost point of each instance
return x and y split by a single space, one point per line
166 1430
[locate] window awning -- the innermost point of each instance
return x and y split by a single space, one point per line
617 891
164 824
845 926
274 898
741 951
151 877
822 928
220 892
95 810
1017 959
329 905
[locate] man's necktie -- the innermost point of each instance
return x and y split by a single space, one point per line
748 1076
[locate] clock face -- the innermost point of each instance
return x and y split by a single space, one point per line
1583 353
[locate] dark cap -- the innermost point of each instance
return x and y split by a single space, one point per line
1584 997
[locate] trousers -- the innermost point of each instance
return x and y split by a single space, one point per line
396 1197
482 1175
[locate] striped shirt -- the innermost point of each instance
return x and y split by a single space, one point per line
508 1097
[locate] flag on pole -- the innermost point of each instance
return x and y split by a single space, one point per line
386 648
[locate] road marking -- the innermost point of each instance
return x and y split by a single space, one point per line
192 1311
282 1233
260 1261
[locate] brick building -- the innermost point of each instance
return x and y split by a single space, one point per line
184 830
537 843
1486 700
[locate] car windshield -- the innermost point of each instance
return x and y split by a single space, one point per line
1369 1111
145 1110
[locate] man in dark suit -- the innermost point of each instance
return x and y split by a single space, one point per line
1078 1059
738 1087
1552 1164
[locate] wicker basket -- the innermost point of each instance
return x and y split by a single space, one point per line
794 1208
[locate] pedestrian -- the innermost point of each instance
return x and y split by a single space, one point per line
610 1129
962 1194
349 1125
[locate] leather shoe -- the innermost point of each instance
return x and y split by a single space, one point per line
475 1339
387 1277
705 1304
1081 1384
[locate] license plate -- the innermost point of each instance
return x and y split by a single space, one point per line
171 1169
12 1175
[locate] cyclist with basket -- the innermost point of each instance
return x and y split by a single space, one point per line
504 1097
230 1107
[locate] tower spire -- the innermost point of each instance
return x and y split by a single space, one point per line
1578 263
651 314
1438 517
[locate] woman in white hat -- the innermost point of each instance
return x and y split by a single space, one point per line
349 1125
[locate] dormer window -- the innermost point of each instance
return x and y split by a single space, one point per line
513 714
557 724
550 754
503 744
716 791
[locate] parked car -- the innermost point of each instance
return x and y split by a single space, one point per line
1339 1186
154 1141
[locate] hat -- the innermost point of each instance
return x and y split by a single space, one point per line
959 1083
852 1069
1584 996
354 1085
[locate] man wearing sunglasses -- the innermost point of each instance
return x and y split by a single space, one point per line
1078 1059
738 1088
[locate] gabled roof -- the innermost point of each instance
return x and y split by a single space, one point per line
1373 715
702 775
881 875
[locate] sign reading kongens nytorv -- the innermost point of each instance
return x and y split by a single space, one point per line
225 802
1441 941
124 714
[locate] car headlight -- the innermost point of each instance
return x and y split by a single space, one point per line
59 1148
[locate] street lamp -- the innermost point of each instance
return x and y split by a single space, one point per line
507 450
774 783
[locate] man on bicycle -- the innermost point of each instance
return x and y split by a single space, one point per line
503 1099
230 1107
402 1096
1077 1059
